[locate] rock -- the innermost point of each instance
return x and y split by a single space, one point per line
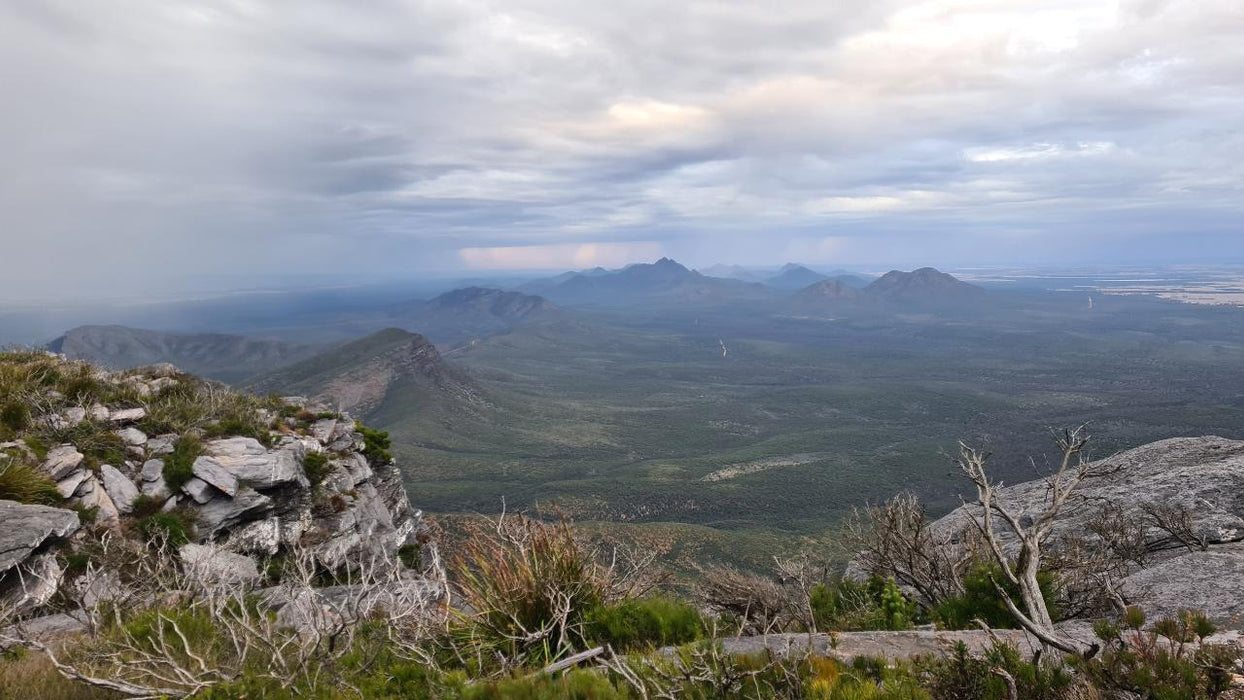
1211 581
223 513
247 460
161 444
1203 475
49 627
199 490
94 495
159 370
69 485
61 461
323 429
258 537
30 584
133 436
127 415
119 487
152 476
74 415
214 473
98 412
27 528
212 564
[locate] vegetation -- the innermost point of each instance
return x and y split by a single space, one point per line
316 466
980 600
179 464
24 483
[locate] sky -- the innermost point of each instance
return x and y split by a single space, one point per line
153 144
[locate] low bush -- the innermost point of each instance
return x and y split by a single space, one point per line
315 464
643 622
172 529
179 464
845 605
981 600
376 444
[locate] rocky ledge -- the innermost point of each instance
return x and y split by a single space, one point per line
299 476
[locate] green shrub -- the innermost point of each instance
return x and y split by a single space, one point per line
845 605
179 465
172 529
26 484
145 505
15 416
376 444
410 556
643 622
315 464
981 600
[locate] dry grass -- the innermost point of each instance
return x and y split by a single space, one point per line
26 675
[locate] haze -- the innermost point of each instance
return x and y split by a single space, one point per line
149 146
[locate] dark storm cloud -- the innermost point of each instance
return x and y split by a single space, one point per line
250 138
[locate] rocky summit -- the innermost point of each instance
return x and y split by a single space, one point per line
157 454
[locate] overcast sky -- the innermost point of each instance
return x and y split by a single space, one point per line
150 142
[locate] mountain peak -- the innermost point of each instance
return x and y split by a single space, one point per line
925 284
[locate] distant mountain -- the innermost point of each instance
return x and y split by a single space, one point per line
664 278
472 312
827 290
925 285
227 358
543 285
732 272
359 377
792 277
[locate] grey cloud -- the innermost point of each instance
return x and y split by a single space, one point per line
162 134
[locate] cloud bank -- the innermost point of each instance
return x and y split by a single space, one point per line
146 142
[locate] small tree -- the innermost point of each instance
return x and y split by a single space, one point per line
1023 569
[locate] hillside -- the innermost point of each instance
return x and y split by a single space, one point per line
827 290
228 358
359 376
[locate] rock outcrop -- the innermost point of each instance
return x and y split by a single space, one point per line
299 476
1196 481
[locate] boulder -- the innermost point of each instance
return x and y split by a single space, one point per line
30 584
69 485
133 436
224 513
211 564
74 415
215 473
119 487
127 415
152 476
161 444
27 528
199 490
1203 475
247 460
92 494
62 461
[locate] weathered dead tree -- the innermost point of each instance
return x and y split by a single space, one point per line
1030 532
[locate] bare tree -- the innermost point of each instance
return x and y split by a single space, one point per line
1030 531
895 538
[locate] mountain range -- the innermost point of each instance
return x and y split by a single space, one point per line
469 313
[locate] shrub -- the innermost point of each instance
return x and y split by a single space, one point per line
15 415
981 600
145 505
26 484
843 605
643 622
316 466
410 556
179 465
376 444
528 585
172 529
